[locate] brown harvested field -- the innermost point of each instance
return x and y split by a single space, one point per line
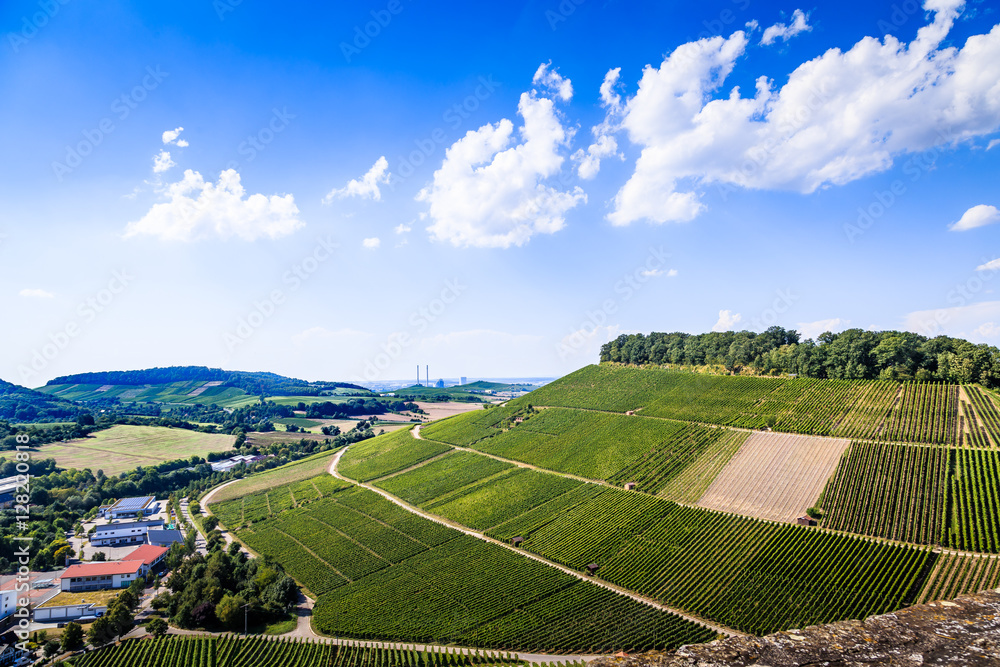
775 476
447 409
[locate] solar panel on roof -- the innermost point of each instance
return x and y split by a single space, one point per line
132 504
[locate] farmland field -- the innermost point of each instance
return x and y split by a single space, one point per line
386 454
442 476
382 572
775 476
744 573
232 651
595 445
194 392
892 491
122 448
865 409
311 466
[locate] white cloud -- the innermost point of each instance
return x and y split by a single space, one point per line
195 209
959 321
162 162
371 243
366 187
553 81
977 216
993 265
182 143
727 320
824 127
170 136
656 273
490 191
605 145
34 293
786 32
814 329
992 144
988 330
402 228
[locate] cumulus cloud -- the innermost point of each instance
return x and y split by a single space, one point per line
371 243
814 329
977 216
822 128
366 187
490 191
402 228
195 209
605 145
35 293
993 265
987 330
786 32
170 137
727 320
958 321
162 162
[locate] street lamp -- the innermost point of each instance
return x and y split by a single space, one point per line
245 608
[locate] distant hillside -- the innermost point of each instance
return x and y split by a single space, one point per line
20 404
483 385
253 383
854 354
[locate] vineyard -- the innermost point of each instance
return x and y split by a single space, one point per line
595 445
473 593
443 476
229 651
891 491
775 476
975 501
751 575
956 575
381 572
859 409
386 454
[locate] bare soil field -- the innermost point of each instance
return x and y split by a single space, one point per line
775 476
448 409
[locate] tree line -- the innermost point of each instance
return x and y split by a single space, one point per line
854 354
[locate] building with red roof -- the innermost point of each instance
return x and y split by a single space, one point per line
114 574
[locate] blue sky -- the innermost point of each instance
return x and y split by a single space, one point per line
491 190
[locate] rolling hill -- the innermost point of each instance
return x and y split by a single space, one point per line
681 489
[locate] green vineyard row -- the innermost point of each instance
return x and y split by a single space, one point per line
229 651
860 409
381 572
925 495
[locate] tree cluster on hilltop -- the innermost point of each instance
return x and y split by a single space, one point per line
256 383
854 354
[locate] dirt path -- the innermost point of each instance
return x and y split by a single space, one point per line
526 554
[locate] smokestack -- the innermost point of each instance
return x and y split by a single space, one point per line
427 374
418 373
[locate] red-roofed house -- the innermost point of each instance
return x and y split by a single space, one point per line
150 555
97 576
